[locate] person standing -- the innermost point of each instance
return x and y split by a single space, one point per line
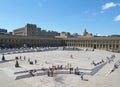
28 59
71 69
35 61
52 71
3 58
24 57
20 58
49 72
16 64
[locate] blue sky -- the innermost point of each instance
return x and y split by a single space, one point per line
100 17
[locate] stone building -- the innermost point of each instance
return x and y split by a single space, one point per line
31 41
3 31
33 30
86 34
28 37
63 35
28 30
105 43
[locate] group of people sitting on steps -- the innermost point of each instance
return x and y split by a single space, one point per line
95 64
109 59
71 70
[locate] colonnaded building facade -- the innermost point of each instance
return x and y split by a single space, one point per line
25 38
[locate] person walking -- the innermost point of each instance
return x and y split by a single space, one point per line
48 72
81 75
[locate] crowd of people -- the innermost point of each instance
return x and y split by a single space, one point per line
71 70
95 64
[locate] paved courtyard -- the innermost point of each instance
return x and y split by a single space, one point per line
68 59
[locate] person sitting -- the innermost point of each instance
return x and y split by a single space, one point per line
31 72
16 58
31 62
94 63
102 60
115 66
77 71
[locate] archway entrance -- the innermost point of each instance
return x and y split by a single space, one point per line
94 45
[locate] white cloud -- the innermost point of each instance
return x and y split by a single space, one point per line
109 5
117 18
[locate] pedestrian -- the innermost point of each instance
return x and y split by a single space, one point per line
93 62
48 72
52 70
108 60
58 67
31 72
35 61
3 58
71 69
24 57
16 58
71 56
115 66
16 64
102 60
76 71
82 74
28 59
61 67
20 58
